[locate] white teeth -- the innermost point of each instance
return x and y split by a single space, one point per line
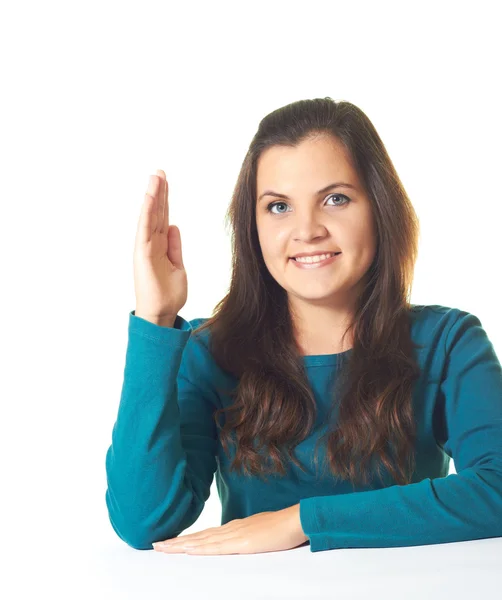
314 259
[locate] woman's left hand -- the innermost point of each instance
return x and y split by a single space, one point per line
262 532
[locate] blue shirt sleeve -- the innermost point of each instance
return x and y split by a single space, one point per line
462 506
161 462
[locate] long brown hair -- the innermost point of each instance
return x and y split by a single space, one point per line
252 335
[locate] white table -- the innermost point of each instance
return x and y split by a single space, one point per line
110 569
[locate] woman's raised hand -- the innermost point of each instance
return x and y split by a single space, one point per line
160 280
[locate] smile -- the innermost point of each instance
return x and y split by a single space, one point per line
316 265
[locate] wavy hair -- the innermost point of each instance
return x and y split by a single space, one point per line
274 408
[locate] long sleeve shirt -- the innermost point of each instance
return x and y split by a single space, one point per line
165 449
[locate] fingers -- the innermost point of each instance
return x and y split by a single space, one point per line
152 216
155 210
161 199
147 220
166 208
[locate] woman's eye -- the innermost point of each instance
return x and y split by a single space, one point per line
345 199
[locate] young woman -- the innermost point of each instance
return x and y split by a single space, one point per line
315 348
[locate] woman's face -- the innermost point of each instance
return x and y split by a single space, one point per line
339 219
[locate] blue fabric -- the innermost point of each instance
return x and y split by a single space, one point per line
165 450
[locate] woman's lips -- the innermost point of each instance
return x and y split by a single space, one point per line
316 265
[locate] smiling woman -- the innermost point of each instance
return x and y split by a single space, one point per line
315 224
306 356
335 190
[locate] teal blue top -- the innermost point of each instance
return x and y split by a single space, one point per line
165 450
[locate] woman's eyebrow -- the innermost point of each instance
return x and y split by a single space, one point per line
324 189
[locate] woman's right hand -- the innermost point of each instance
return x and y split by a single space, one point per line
160 280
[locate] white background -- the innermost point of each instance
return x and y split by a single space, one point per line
98 95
